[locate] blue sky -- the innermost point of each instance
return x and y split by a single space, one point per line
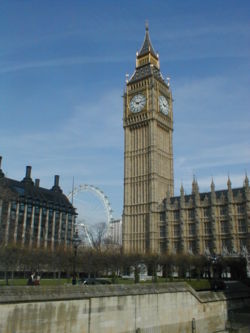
62 74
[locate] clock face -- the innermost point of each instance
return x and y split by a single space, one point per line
163 104
137 103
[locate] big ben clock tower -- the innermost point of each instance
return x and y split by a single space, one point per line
148 151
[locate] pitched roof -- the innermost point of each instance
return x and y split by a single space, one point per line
24 190
145 71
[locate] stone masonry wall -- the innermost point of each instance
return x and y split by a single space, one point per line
115 309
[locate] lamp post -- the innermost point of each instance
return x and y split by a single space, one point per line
76 242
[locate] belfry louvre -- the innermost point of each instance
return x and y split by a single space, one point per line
154 220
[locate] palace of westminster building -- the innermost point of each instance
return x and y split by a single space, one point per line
154 220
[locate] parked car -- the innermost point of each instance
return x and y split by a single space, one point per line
90 281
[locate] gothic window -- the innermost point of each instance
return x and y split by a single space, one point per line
207 228
190 214
224 227
162 231
191 228
162 247
176 246
176 230
223 210
206 212
243 242
240 209
176 215
242 225
162 216
191 246
208 244
225 244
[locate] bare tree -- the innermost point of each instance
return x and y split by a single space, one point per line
9 259
98 235
167 261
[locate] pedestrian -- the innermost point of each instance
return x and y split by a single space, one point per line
37 280
74 279
30 280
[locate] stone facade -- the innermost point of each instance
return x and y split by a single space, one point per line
34 216
153 219
217 222
148 158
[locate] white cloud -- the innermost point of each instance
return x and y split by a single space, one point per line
231 154
60 62
87 145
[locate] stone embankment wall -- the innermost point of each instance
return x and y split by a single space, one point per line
174 307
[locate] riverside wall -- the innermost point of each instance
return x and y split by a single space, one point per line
173 307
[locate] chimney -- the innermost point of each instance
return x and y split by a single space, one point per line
27 179
56 187
37 182
28 171
1 172
56 181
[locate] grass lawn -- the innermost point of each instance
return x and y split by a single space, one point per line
43 282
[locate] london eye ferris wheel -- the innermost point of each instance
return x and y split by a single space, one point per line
93 209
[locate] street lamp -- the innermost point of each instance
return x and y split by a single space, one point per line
76 242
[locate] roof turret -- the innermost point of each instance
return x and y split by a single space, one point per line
229 184
246 181
212 185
